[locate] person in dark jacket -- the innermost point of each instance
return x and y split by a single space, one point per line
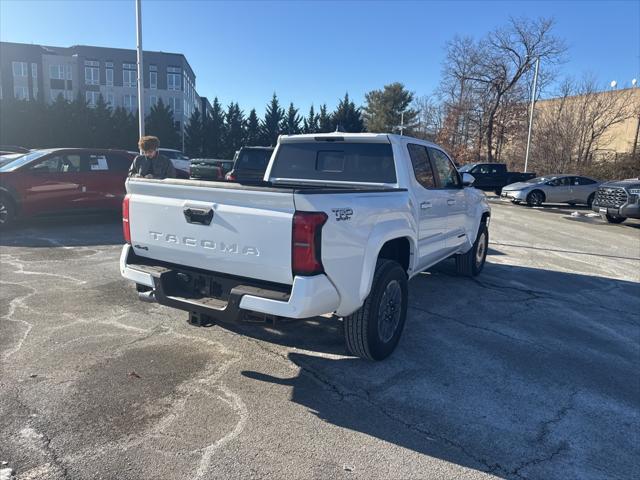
151 164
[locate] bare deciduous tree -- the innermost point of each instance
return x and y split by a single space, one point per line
481 77
571 128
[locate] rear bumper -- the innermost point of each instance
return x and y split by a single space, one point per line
307 297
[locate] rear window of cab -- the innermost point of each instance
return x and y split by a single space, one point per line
335 161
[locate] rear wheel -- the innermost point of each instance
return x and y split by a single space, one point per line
535 198
7 211
373 331
614 218
498 191
471 263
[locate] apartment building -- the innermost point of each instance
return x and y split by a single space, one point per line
29 72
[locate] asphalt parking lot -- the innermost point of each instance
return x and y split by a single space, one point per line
529 371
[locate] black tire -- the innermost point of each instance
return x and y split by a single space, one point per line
590 200
7 212
498 191
536 198
614 218
471 263
367 334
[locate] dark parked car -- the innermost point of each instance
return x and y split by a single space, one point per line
617 201
210 168
250 163
62 180
493 176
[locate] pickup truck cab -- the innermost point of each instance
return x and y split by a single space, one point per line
494 176
338 225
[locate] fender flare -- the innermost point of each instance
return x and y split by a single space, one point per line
381 234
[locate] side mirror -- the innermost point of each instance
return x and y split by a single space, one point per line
467 179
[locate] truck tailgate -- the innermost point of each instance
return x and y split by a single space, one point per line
240 231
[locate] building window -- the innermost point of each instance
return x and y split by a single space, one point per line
173 81
129 75
108 64
92 98
56 72
153 80
92 75
34 76
21 93
110 99
129 78
109 77
153 100
174 104
19 69
129 102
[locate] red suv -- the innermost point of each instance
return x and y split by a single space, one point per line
62 180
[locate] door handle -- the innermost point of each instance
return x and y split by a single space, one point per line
451 202
425 205
200 216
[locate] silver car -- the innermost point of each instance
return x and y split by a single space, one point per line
571 189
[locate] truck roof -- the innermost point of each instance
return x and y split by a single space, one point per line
360 137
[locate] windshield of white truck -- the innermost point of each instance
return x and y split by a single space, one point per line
338 162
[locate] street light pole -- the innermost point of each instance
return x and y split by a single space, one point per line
533 102
140 70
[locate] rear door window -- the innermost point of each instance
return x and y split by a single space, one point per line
97 163
335 161
584 181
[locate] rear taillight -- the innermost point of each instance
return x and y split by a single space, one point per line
126 227
306 258
231 177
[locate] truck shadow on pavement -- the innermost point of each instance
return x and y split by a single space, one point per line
521 372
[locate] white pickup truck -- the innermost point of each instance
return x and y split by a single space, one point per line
339 225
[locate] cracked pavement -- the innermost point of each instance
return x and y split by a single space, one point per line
529 371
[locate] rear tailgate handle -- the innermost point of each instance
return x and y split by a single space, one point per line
198 215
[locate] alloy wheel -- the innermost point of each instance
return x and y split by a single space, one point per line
389 311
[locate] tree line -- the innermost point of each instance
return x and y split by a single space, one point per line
478 112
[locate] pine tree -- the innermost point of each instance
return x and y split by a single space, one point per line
60 121
292 121
311 122
347 116
384 108
101 124
80 133
233 130
193 135
273 119
325 124
160 123
252 129
213 132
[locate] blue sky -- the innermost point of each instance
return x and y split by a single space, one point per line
312 52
